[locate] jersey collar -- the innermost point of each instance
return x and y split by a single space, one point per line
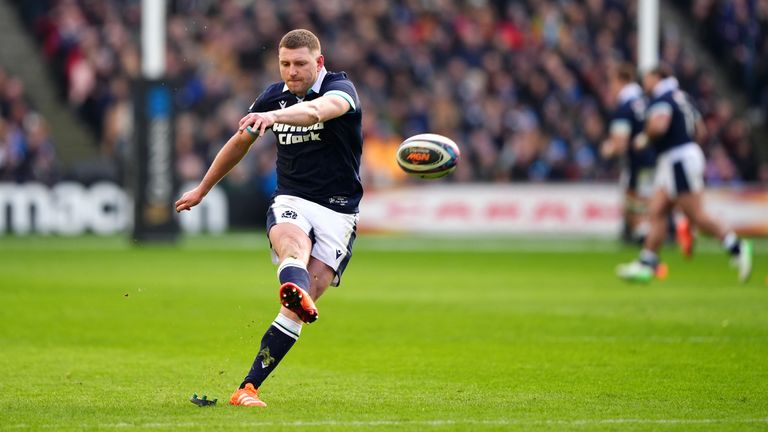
664 86
316 86
629 91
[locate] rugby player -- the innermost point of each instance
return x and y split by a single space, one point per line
626 123
311 222
671 123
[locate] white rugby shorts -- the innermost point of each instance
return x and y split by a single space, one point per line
332 233
681 170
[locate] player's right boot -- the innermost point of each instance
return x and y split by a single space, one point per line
743 261
636 271
685 239
298 301
247 396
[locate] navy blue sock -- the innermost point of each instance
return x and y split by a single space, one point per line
294 271
275 344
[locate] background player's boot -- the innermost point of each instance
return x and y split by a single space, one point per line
298 301
743 261
247 396
684 235
636 271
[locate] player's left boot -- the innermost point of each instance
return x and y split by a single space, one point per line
685 239
298 301
743 261
247 396
636 271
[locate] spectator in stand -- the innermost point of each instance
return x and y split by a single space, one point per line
26 150
520 85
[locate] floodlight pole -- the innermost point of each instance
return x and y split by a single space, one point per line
647 35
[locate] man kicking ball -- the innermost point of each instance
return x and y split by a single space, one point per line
316 117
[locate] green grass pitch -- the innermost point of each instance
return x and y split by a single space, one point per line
423 334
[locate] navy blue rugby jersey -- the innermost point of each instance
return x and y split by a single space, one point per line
320 163
629 118
682 125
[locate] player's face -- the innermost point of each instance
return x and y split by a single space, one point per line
299 68
649 82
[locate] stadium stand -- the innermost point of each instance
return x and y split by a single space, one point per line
26 149
521 84
736 32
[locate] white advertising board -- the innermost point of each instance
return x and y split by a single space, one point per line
568 209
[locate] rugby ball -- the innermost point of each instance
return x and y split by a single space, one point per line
428 156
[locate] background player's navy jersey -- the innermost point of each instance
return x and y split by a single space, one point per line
629 115
682 125
320 163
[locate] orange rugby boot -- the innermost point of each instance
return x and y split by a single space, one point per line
247 396
298 301
684 236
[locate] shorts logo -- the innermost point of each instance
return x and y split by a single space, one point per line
338 200
289 214
338 253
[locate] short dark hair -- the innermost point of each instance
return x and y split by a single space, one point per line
662 70
625 72
300 38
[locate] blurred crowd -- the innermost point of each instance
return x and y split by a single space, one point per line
520 85
737 32
26 150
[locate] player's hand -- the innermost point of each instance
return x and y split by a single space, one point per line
257 121
640 141
607 149
189 200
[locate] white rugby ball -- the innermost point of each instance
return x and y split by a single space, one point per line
428 156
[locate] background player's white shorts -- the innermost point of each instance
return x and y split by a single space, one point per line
681 170
332 233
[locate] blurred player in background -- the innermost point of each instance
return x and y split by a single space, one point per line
671 123
311 223
627 121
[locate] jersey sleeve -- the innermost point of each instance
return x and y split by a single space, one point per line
621 123
346 90
659 107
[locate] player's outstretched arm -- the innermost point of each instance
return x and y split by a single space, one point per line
302 114
614 145
229 155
